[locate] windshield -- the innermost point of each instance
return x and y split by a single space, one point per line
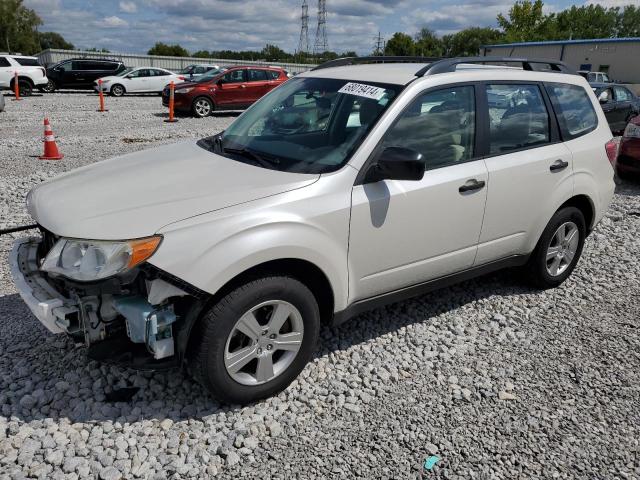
307 125
124 72
210 75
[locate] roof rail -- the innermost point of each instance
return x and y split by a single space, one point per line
449 64
342 62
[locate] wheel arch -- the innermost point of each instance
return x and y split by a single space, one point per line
202 95
124 89
585 205
306 272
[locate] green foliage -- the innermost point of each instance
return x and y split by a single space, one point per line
54 40
163 49
526 22
400 44
467 43
18 27
100 50
428 44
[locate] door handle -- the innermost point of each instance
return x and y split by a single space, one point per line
472 185
558 165
243 86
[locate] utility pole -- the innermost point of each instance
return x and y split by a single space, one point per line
321 44
303 44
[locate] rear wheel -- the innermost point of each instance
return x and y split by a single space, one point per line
558 249
117 90
256 340
24 86
202 107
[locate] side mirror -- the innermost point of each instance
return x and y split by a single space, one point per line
397 163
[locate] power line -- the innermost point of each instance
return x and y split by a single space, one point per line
379 45
321 44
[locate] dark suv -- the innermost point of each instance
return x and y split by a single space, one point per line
80 73
233 89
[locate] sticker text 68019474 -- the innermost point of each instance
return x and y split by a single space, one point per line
362 90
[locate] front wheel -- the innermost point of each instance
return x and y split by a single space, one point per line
50 87
117 90
256 340
202 107
558 249
25 88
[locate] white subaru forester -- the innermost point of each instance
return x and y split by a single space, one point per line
350 186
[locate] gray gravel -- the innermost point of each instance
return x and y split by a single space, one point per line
497 380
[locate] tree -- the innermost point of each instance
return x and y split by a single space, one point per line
467 42
18 27
54 40
401 45
628 22
168 50
587 21
202 54
428 44
526 22
273 53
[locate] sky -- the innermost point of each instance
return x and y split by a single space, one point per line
133 26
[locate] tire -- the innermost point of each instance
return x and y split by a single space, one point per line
25 87
202 107
220 333
542 265
50 87
117 90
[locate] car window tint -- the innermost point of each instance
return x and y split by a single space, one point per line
161 73
573 107
622 94
234 76
67 66
199 70
136 73
273 74
440 125
518 118
257 75
27 62
4 62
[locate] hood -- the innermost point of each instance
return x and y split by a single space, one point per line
135 195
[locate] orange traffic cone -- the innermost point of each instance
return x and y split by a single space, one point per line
50 148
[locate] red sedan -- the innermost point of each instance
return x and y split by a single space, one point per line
233 89
628 161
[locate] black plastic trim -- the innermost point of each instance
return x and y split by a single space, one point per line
402 294
343 62
449 65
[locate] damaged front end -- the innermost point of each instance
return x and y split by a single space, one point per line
140 317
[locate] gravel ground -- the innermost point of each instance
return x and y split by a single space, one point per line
497 380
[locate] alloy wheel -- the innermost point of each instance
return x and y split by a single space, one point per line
562 248
264 342
202 107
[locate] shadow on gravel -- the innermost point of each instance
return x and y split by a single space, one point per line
221 114
47 376
629 187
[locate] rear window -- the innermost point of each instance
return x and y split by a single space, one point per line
576 115
27 62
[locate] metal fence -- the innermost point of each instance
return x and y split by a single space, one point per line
51 56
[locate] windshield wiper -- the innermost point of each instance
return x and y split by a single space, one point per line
251 155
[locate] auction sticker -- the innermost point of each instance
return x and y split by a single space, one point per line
362 90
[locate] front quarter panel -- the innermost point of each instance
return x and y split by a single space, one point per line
310 223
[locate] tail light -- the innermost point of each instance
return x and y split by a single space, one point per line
181 78
612 150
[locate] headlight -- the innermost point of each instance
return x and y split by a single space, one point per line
632 131
184 90
90 260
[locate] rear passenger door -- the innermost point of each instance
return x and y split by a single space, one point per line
623 105
407 232
530 169
258 84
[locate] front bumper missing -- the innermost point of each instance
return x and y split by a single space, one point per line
49 306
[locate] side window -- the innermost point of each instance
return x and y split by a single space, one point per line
199 70
273 74
440 125
518 118
136 73
235 76
28 62
622 94
66 66
4 62
573 107
257 75
160 73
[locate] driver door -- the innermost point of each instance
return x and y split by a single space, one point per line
232 91
404 232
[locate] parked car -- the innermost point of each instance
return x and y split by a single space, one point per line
619 104
138 80
595 77
628 162
194 72
80 73
1 102
236 88
346 188
30 73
